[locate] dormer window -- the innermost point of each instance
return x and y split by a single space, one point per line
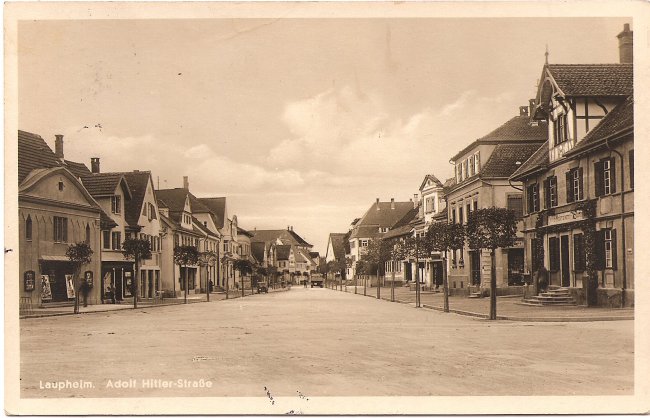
561 132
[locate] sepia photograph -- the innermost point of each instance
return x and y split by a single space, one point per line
324 208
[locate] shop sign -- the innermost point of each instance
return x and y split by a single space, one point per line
46 289
566 217
29 281
69 284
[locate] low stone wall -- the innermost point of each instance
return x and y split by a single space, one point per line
606 297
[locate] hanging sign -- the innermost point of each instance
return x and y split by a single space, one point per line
69 284
46 290
29 281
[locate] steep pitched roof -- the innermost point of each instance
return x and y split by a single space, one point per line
33 153
507 158
365 232
404 225
242 231
285 235
593 79
619 120
78 169
105 184
282 252
174 199
517 129
338 245
217 206
314 254
138 181
536 162
382 214
197 225
257 251
431 177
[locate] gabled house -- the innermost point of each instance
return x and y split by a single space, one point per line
377 221
54 211
227 276
579 185
482 170
295 260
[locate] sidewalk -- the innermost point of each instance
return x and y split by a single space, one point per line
508 307
41 312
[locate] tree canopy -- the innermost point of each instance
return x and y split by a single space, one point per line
136 249
491 228
185 255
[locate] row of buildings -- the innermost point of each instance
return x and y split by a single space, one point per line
565 165
62 202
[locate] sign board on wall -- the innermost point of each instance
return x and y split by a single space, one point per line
69 284
46 289
29 281
566 217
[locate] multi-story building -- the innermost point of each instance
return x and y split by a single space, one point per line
291 251
482 170
377 221
580 184
54 210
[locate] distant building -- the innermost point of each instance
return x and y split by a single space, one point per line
291 251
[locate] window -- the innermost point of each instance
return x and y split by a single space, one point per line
532 193
468 209
28 228
460 214
574 185
472 168
476 205
608 248
554 253
458 173
453 215
364 242
60 229
61 186
631 164
605 176
550 192
515 204
477 164
106 240
117 240
560 133
579 256
116 204
87 234
144 210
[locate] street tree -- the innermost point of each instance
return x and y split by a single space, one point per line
137 250
442 237
378 252
244 267
415 247
186 255
491 228
207 259
79 254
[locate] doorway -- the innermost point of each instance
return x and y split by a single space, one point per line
564 259
475 267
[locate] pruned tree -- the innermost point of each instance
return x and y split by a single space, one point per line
207 259
186 255
137 250
491 228
79 255
442 237
244 267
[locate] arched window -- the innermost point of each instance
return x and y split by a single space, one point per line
28 228
87 234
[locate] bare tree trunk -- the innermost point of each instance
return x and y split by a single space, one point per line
185 281
445 284
136 280
493 287
76 287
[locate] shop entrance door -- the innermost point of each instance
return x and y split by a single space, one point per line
564 255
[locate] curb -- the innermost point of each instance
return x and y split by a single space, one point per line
130 308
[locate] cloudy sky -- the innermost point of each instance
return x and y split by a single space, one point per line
299 122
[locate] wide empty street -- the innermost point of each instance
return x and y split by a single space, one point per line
318 342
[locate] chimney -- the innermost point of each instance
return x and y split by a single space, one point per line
58 146
377 203
415 200
523 110
291 228
531 107
392 203
94 165
186 183
625 45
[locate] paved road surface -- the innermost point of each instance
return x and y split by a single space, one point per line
321 343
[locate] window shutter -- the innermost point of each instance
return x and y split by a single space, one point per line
65 229
547 195
614 245
580 187
554 253
569 187
600 250
578 254
612 174
598 178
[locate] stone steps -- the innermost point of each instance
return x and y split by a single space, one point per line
554 296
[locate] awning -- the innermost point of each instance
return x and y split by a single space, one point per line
55 258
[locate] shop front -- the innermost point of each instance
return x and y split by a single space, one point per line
117 278
56 281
